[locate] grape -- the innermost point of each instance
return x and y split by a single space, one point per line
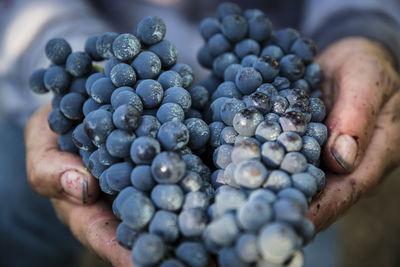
56 79
259 101
319 176
311 149
151 30
285 38
104 186
118 175
268 89
272 154
71 106
168 167
246 121
98 125
173 135
254 214
193 254
221 62
222 156
268 67
172 263
148 250
218 44
110 63
81 140
167 53
78 86
223 231
122 74
126 96
91 80
90 47
268 131
248 61
228 135
204 57
226 89
246 248
318 131
126 236
65 142
231 71
199 96
234 27
304 48
250 13
36 83
250 174
226 9
170 112
118 143
165 225
294 162
126 46
245 150
101 90
148 126
228 257
277 180
94 165
179 96
195 200
167 197
247 80
104 44
281 83
291 67
58 122
90 105
137 210
192 222
288 210
290 141
57 50
199 133
209 27
305 182
247 47
79 64
272 51
313 75
147 65
170 79
105 157
126 117
293 121
186 72
144 149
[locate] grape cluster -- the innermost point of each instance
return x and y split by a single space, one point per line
266 129
138 126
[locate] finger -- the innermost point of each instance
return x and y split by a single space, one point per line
95 226
343 191
362 84
51 172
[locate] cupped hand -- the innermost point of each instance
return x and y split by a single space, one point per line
51 172
362 92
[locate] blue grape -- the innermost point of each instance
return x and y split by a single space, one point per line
263 195
294 162
215 133
307 231
213 113
98 125
209 27
71 106
194 163
191 182
285 38
248 61
281 83
78 86
198 133
151 93
234 27
318 131
118 143
105 157
126 236
136 210
119 175
173 135
311 149
228 135
168 167
318 110
81 140
91 80
167 53
193 254
228 199
313 75
110 63
268 67
142 179
290 141
101 90
272 154
226 9
259 101
277 180
58 122
268 131
57 50
104 44
247 80
200 96
250 174
90 47
127 96
253 215
305 49
79 64
305 182
148 250
302 84
104 186
195 200
267 89
36 83
89 106
293 121
272 51
272 117
148 126
167 197
170 112
259 28
277 242
172 263
186 72
222 156
147 65
218 44
179 96
295 195
291 67
123 74
231 71
192 222
165 225
126 46
246 248
151 30
246 121
94 165
144 149
56 79
121 197
221 62
251 13
245 150
319 176
170 78
218 178
224 230
227 257
126 117
65 142
288 210
247 47
229 176
241 138
204 57
226 89
279 104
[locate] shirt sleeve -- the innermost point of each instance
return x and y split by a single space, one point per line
25 27
330 20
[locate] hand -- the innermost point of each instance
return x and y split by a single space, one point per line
73 191
361 90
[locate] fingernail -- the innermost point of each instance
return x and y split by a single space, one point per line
345 151
75 184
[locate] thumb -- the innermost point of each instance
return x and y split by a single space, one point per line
361 87
51 172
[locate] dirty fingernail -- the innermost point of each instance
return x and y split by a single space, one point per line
345 151
73 183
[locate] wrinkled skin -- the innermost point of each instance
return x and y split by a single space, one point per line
361 91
